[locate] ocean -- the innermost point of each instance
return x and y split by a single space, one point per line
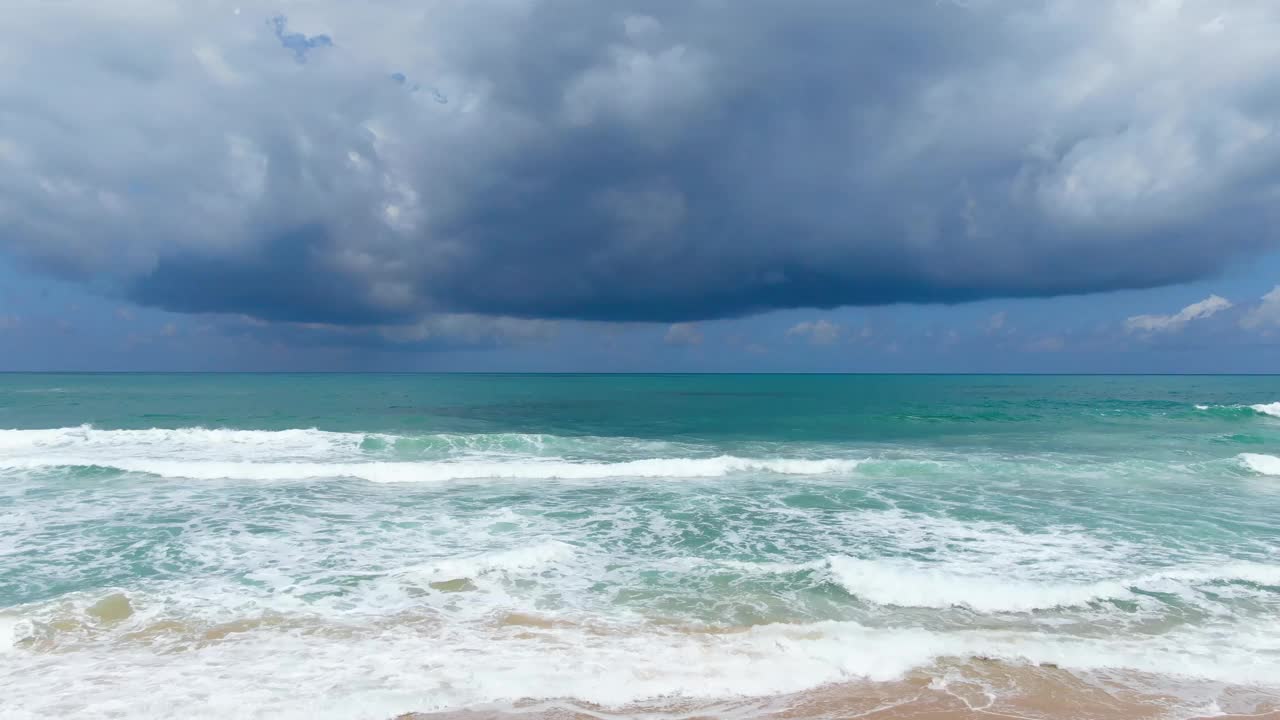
609 546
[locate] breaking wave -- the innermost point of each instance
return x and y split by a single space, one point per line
1261 464
909 585
443 471
300 454
1269 409
1272 409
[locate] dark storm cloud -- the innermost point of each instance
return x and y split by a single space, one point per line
656 161
283 278
297 42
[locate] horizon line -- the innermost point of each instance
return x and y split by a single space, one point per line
562 373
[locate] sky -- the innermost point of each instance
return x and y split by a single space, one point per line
627 186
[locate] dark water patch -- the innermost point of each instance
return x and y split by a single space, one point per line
1240 439
722 394
990 416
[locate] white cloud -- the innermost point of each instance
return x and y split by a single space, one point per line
1266 313
648 90
817 332
1207 307
686 334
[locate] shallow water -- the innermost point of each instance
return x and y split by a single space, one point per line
355 546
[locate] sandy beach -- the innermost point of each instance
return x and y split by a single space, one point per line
973 690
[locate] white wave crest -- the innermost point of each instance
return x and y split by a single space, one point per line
908 585
446 470
1272 409
1256 573
183 442
1261 464
888 583
223 443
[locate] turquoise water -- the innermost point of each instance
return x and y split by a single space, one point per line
365 545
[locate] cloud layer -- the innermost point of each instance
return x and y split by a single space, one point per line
1206 308
376 164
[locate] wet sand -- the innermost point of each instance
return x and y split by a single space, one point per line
974 690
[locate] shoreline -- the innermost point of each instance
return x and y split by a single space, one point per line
960 690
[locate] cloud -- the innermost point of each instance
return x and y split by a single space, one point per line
297 42
1265 314
996 322
369 166
434 332
685 334
472 330
1206 308
817 332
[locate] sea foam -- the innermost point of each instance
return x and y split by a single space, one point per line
301 454
896 583
443 471
1261 464
889 583
475 665
8 633
1272 409
531 558
201 442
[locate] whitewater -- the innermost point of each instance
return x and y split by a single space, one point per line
370 546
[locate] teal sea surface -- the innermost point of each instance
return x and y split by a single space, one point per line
360 546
